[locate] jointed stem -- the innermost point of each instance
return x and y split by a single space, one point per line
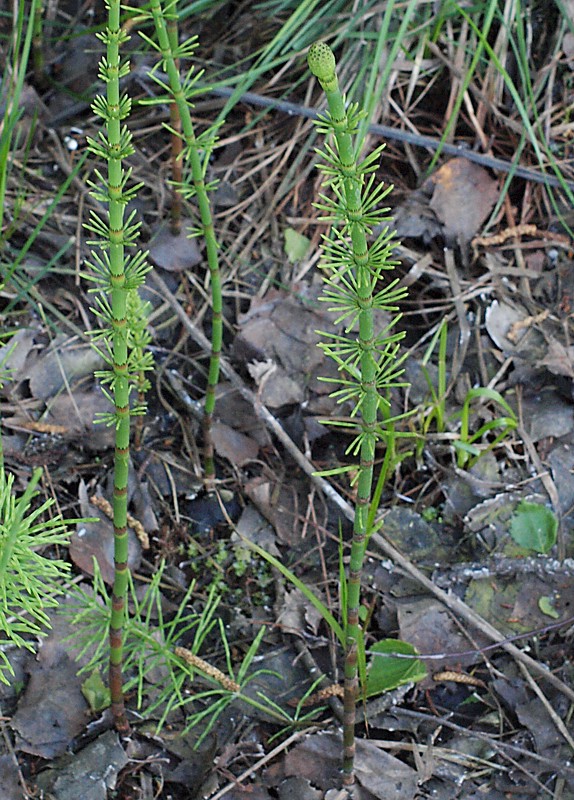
175 125
120 369
115 275
192 153
360 269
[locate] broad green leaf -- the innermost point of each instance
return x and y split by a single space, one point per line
96 692
387 671
296 245
546 605
534 527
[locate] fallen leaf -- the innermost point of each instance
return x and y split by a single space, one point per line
236 447
559 360
283 331
547 413
280 390
464 195
90 774
79 414
296 245
281 504
427 625
318 760
255 528
96 540
413 219
500 319
14 354
298 788
174 253
10 788
237 412
60 365
52 709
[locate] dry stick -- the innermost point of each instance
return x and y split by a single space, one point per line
295 737
395 134
450 600
501 747
384 131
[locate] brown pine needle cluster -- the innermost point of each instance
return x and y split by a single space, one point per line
212 672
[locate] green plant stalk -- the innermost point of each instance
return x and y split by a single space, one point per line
175 124
15 80
115 275
139 340
38 46
121 389
352 189
435 410
200 191
349 191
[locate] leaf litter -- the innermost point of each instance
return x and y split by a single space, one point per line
455 523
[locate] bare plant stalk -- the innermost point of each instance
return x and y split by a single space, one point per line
38 45
368 359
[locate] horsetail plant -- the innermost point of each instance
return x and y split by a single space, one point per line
195 154
139 341
367 360
175 218
116 274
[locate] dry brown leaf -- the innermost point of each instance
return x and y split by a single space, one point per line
60 365
559 360
52 709
463 197
96 540
281 504
236 447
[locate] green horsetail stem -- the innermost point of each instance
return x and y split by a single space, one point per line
200 191
121 387
175 217
369 358
115 275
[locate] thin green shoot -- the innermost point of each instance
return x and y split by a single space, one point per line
298 583
114 274
467 452
435 410
12 86
38 45
195 154
30 582
486 23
